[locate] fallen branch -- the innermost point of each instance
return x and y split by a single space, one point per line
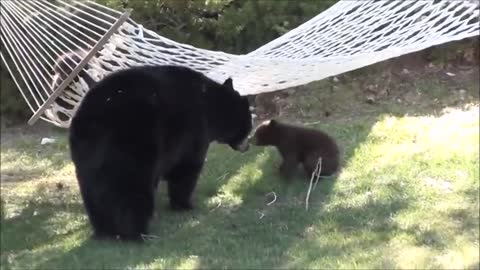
149 236
312 123
222 177
315 175
218 206
316 181
274 198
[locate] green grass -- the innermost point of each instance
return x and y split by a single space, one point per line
407 197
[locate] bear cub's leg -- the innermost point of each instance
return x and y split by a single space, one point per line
289 164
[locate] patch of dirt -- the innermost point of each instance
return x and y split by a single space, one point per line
407 81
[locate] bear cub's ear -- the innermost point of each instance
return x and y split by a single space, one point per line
268 123
228 84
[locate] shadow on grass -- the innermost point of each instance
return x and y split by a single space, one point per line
31 227
348 232
232 236
38 222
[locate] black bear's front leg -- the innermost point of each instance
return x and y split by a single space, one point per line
182 180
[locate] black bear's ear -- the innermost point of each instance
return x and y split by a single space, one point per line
228 83
272 122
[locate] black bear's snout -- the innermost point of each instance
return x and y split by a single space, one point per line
242 147
252 139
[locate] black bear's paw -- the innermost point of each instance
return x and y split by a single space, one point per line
102 236
139 238
127 238
181 205
97 236
132 237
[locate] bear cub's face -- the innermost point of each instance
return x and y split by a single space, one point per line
264 133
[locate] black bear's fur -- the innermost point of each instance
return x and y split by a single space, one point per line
143 124
299 145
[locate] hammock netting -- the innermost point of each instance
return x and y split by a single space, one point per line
347 36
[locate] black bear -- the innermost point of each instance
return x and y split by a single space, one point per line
299 145
143 124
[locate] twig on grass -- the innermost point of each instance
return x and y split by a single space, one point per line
216 207
274 198
149 236
316 181
315 175
222 177
312 123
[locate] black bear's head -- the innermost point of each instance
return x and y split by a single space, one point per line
265 133
231 117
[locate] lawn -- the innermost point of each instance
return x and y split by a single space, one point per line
407 196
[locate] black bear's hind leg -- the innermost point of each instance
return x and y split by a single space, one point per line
133 218
101 222
182 180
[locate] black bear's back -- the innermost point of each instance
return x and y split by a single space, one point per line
148 85
129 107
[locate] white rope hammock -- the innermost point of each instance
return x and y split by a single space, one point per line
347 36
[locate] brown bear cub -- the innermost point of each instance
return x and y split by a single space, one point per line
299 145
